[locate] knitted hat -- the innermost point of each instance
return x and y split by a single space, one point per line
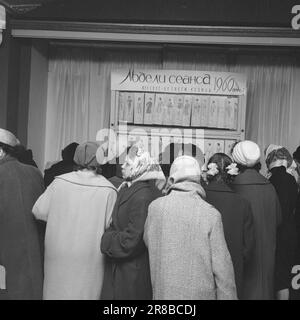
185 168
8 138
246 153
85 154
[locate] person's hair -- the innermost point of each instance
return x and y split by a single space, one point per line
97 169
222 161
68 152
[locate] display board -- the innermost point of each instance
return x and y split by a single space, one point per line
163 106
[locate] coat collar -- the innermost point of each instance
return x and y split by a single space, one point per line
278 170
187 186
126 193
218 186
86 178
7 158
249 177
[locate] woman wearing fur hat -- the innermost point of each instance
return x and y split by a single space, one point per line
77 207
250 184
236 214
188 255
278 161
127 274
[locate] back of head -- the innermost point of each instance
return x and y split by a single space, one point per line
69 151
185 168
8 142
85 156
279 157
246 153
220 167
174 150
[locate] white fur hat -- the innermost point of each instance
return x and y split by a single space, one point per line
8 138
246 153
185 168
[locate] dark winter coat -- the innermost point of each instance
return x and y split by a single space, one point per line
259 276
287 191
62 167
127 271
237 221
20 249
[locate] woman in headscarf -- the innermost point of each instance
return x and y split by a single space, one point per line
77 207
278 160
236 214
291 166
189 259
250 184
127 274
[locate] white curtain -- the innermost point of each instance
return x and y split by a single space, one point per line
78 103
79 90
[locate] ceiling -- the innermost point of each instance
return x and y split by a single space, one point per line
22 6
246 13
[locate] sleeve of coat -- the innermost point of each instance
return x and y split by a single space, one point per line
42 206
111 200
249 238
222 263
128 242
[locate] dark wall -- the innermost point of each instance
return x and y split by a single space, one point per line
14 80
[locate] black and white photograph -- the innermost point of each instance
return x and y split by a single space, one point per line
149 151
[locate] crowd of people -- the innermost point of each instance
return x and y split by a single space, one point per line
141 229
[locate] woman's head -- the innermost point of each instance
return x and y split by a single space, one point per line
279 157
246 154
85 157
220 167
138 162
9 144
185 168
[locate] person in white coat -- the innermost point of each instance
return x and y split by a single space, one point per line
77 207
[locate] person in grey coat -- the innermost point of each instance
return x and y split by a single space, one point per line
189 258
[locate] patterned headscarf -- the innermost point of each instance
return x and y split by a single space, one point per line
142 165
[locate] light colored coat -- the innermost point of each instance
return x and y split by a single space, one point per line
77 207
189 258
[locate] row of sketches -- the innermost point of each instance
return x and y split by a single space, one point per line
178 110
